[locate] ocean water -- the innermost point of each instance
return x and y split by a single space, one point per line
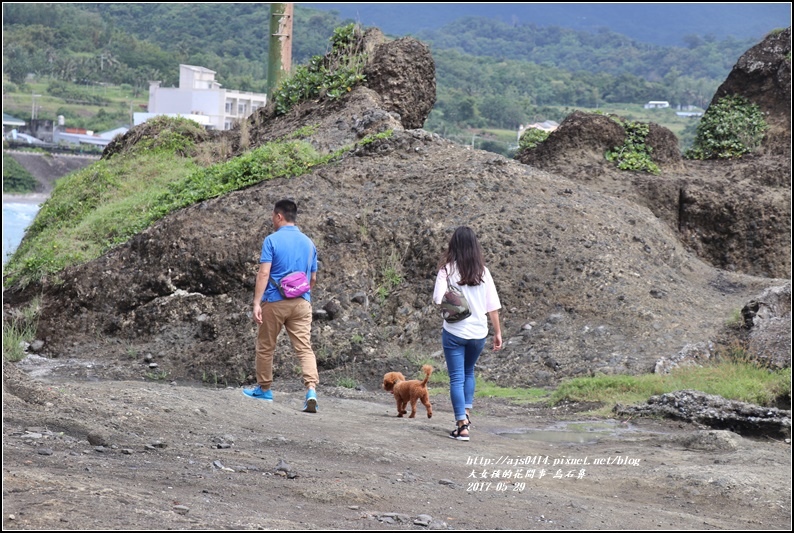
17 216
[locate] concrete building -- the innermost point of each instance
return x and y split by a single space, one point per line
199 95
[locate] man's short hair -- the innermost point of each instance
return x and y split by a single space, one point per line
288 209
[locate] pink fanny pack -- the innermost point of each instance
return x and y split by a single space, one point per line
293 285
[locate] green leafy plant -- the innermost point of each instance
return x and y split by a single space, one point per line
634 154
531 138
730 128
369 139
328 76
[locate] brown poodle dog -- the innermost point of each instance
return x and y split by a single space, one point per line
409 391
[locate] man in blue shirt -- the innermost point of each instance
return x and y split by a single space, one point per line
284 251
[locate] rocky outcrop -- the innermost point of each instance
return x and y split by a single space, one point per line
403 73
584 138
735 214
763 76
715 412
768 317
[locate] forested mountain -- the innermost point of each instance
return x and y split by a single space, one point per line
665 23
134 43
490 73
600 52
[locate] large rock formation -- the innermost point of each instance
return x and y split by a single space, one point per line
763 76
735 214
589 282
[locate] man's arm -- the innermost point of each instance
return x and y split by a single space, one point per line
262 278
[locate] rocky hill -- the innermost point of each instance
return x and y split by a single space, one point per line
598 270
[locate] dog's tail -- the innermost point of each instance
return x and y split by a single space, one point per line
427 369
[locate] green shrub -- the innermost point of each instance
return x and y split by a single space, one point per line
330 76
634 154
730 128
16 178
531 138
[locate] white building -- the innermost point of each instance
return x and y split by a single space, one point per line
199 95
657 105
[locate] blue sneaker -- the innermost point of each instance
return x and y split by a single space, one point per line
310 405
259 394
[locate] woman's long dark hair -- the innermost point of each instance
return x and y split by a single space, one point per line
465 252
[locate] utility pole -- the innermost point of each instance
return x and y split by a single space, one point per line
33 106
279 46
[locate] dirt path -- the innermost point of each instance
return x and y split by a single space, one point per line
152 455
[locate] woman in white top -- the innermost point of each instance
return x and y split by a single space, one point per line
463 266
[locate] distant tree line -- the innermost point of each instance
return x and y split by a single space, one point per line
489 74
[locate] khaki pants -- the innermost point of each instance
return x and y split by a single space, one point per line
295 315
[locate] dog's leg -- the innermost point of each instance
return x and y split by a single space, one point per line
426 403
400 407
413 407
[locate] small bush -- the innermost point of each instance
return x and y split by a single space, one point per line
531 138
634 154
330 76
730 128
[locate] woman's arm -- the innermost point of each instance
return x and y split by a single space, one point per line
497 330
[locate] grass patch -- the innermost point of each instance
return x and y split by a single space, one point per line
734 377
14 339
19 331
390 274
101 206
346 382
105 204
486 389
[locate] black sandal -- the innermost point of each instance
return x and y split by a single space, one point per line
456 433
468 420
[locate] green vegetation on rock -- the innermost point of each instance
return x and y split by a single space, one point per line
730 128
331 76
635 154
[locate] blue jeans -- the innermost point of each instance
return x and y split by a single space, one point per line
461 355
